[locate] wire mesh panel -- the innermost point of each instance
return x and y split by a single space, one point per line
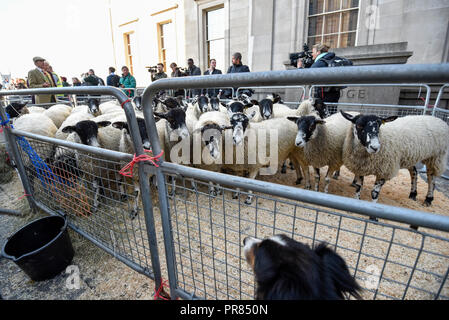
93 195
390 261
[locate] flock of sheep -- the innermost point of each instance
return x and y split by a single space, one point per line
308 136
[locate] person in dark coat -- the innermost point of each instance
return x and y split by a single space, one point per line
113 80
193 70
320 53
210 71
237 67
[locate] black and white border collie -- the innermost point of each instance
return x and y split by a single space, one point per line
285 269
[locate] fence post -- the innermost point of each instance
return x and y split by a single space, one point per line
148 96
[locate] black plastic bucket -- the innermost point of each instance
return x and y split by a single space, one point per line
42 248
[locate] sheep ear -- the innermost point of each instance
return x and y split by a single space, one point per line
69 129
388 119
276 98
349 117
255 102
222 128
103 124
120 125
293 119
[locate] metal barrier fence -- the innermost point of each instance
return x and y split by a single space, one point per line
203 235
379 109
301 89
84 185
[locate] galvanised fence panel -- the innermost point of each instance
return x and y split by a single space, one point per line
203 234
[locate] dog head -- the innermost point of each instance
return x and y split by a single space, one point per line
285 269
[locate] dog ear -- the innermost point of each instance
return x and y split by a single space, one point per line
271 283
337 271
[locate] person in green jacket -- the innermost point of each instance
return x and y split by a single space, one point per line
127 81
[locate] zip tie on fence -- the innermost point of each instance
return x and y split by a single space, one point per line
160 293
123 103
24 195
429 106
127 170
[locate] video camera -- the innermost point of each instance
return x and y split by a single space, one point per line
152 69
306 56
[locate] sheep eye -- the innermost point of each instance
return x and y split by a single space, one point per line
359 127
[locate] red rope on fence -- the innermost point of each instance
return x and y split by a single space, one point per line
160 294
127 170
424 100
24 195
127 100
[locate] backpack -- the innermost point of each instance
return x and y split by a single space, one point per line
115 80
338 62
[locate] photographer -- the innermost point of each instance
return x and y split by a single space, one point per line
158 73
321 55
319 58
176 72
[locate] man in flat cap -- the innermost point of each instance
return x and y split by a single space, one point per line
39 78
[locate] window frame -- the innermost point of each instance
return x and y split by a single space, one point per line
128 52
206 24
340 11
160 37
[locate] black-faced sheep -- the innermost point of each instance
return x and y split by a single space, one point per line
382 146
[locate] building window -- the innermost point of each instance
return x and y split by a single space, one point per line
167 43
333 22
215 31
129 39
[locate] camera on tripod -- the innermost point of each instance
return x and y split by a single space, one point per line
152 69
306 56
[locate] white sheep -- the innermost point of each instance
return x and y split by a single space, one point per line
72 120
35 109
58 113
284 130
36 123
382 146
207 133
322 143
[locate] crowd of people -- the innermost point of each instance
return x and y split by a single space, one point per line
43 76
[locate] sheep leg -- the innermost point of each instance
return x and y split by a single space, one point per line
235 195
297 167
317 179
284 167
292 166
375 193
96 186
327 179
212 191
249 198
414 177
431 188
336 175
123 195
358 184
135 210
